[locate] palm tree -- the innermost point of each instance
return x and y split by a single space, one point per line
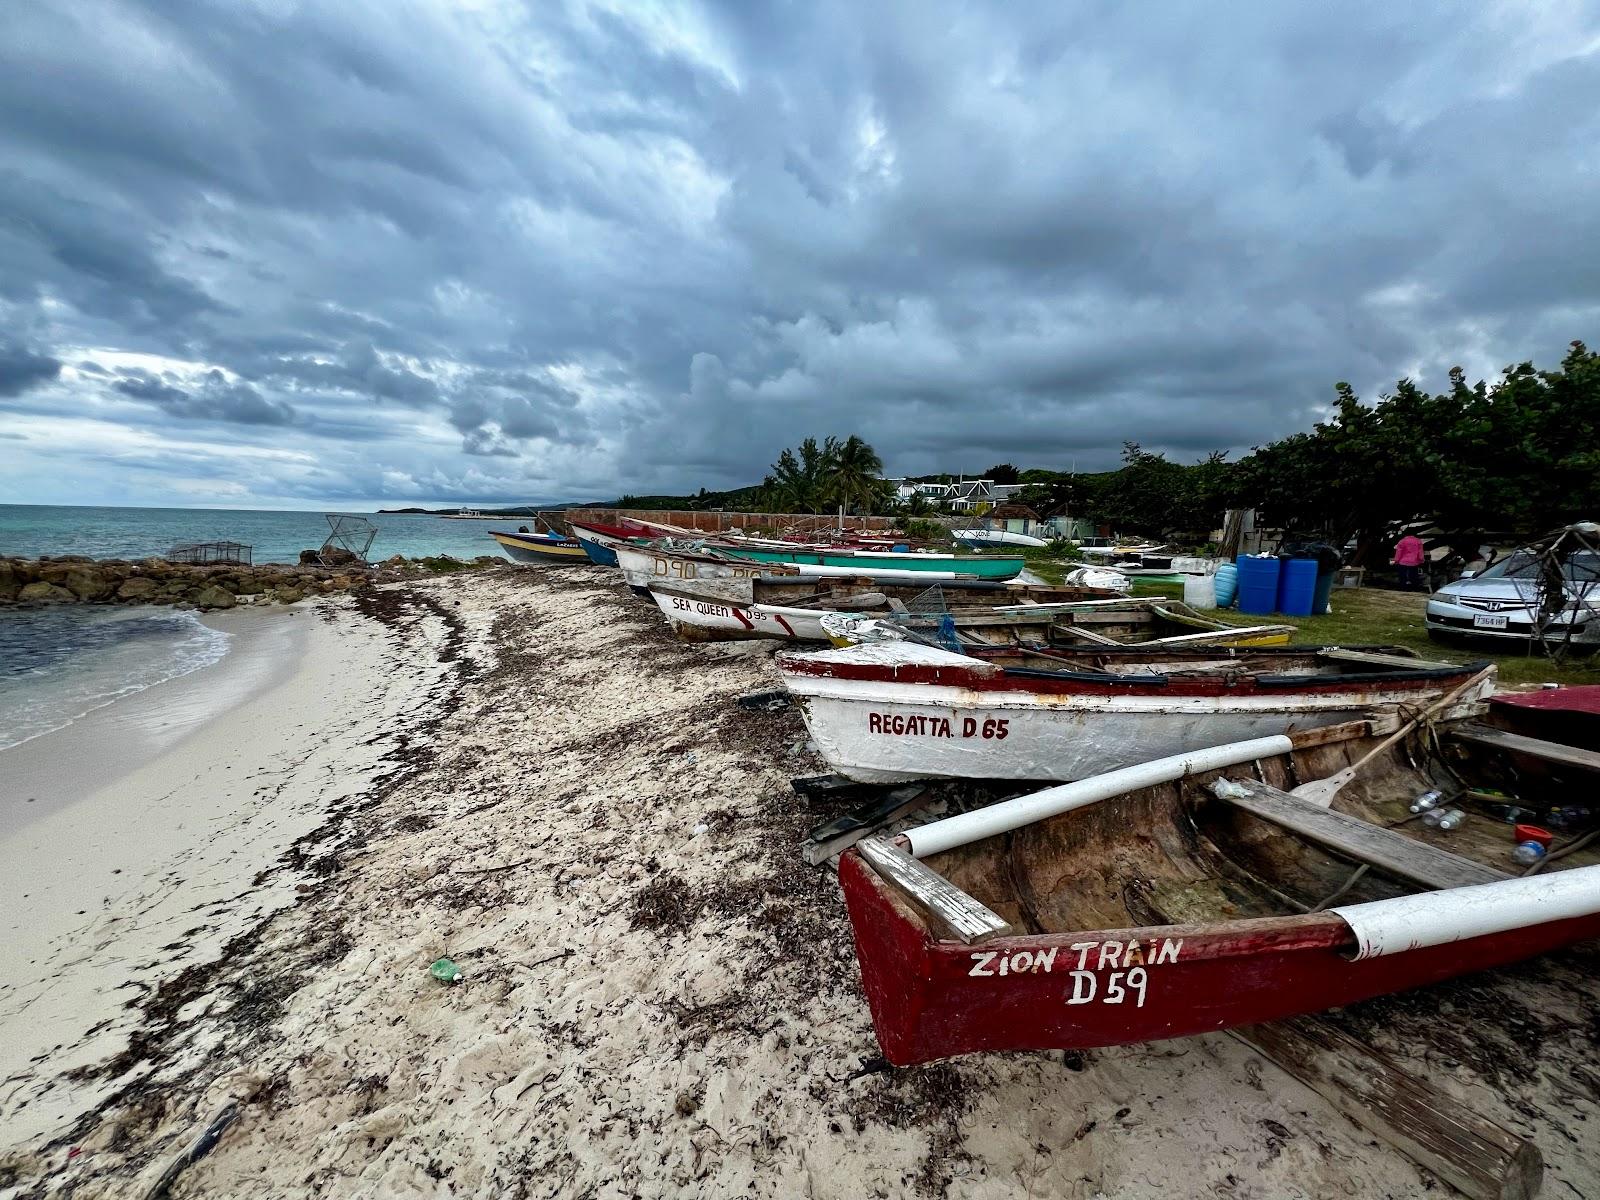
854 474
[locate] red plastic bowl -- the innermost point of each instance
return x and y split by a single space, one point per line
1533 833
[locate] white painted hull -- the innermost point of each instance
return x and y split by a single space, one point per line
890 731
708 618
996 537
641 566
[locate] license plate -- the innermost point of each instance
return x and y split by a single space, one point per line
1489 621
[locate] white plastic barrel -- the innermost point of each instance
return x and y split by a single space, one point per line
1200 591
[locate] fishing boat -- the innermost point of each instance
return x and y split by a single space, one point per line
600 542
894 711
666 563
1197 893
539 547
1146 621
974 566
997 538
795 609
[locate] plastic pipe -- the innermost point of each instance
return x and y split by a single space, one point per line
1000 818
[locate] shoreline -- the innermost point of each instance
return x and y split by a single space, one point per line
159 830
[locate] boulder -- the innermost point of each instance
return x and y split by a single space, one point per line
138 588
88 584
289 595
11 582
41 592
212 596
249 585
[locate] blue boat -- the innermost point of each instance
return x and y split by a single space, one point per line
599 554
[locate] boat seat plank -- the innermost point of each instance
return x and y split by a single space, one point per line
1374 659
969 919
1391 852
1501 739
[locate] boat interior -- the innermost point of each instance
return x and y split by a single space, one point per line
843 592
1176 854
1267 664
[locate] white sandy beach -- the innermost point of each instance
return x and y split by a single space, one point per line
646 1010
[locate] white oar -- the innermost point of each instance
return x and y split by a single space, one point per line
1323 791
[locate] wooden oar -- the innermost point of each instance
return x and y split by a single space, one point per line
1323 791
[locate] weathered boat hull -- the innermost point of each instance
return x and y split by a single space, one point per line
859 562
709 619
997 538
644 565
892 712
538 548
932 999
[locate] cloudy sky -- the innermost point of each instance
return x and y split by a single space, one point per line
293 254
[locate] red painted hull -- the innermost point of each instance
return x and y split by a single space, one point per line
933 999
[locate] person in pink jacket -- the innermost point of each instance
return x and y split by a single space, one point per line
1408 557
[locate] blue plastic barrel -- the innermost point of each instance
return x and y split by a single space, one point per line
1297 586
1227 580
1258 584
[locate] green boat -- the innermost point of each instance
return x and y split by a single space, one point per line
978 566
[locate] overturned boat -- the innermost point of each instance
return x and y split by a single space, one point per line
894 711
1197 893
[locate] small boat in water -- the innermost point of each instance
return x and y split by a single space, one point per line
539 547
794 609
893 711
1197 893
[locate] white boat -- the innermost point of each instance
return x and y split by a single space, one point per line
887 712
996 537
793 608
644 565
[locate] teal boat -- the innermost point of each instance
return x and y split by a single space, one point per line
976 566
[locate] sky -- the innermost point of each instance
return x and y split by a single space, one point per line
280 254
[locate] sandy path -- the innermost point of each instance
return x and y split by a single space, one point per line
650 1011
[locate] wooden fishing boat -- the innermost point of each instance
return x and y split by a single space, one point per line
539 547
1117 620
975 566
663 563
1154 902
894 711
600 542
793 608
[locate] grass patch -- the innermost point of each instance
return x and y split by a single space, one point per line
1372 615
444 565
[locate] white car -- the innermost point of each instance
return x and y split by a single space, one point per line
1501 602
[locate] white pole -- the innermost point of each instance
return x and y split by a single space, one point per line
1000 818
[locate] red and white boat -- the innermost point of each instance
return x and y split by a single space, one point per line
893 711
1153 903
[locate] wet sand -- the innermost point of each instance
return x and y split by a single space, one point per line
650 1008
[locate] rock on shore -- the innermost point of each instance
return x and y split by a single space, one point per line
31 582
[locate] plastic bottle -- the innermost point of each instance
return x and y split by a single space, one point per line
1528 853
1452 819
1426 801
1434 816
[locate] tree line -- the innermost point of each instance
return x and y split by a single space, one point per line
1515 457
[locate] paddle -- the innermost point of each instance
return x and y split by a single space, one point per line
1323 791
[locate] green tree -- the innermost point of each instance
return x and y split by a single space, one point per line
1001 473
854 475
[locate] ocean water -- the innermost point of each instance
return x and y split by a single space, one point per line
31 530
60 664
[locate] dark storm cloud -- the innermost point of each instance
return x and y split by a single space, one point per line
215 398
570 249
22 368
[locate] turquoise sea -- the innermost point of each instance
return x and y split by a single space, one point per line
32 530
59 664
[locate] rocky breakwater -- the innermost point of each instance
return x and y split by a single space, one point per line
70 579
